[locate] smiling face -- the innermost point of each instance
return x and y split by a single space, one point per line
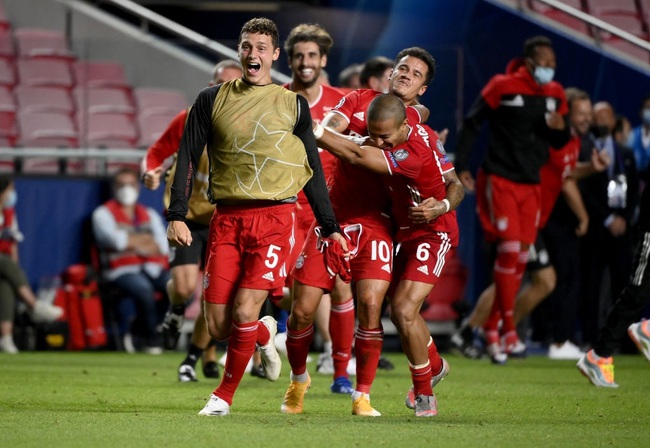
388 133
408 78
257 54
307 63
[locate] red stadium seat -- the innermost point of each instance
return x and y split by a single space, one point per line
4 20
7 73
8 108
47 129
543 7
103 100
629 49
41 43
100 74
108 130
599 7
567 20
151 127
152 101
44 99
45 73
7 49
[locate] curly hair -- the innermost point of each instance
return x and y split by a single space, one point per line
309 32
261 25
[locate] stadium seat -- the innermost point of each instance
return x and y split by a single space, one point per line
41 43
43 99
152 101
45 73
7 73
103 100
4 20
8 129
7 49
151 127
567 20
599 7
631 24
629 49
7 102
100 74
47 130
108 130
543 7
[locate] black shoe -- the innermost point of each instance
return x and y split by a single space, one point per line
171 329
384 363
211 369
462 344
258 371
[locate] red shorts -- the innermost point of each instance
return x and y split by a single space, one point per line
371 256
304 223
249 247
508 211
422 259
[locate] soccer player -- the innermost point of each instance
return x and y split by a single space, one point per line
526 111
308 47
262 152
360 201
417 163
186 262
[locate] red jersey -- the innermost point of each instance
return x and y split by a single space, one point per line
167 144
328 98
561 164
358 194
417 167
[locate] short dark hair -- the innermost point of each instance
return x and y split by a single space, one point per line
387 106
424 56
309 32
532 43
374 68
261 25
346 75
575 94
125 171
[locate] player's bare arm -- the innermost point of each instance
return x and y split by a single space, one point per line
335 121
369 157
179 234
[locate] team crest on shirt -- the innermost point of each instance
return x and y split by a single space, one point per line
300 262
441 148
401 155
502 223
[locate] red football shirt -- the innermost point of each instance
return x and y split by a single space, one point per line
167 143
417 167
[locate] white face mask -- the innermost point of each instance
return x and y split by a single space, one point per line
127 195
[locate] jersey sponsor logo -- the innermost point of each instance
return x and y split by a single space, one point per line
361 116
400 155
424 269
300 262
386 268
517 101
268 276
424 134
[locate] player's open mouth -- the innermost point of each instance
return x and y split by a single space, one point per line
253 68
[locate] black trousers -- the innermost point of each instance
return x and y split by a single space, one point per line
630 303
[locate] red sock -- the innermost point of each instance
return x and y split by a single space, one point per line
367 349
434 357
298 343
240 350
342 334
263 334
507 281
421 376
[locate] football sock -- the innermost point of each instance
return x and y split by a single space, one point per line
342 332
421 376
263 334
298 344
434 357
506 282
193 354
367 349
240 350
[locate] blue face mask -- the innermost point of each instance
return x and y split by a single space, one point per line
11 199
543 75
646 116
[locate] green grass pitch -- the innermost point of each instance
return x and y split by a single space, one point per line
63 399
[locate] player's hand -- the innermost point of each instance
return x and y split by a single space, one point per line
179 234
468 180
583 226
555 121
600 160
426 211
151 178
342 241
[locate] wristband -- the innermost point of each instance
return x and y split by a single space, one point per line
319 131
447 204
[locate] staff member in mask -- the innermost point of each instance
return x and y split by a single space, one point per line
611 198
132 241
527 113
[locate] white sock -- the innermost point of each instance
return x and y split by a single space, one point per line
327 347
302 378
